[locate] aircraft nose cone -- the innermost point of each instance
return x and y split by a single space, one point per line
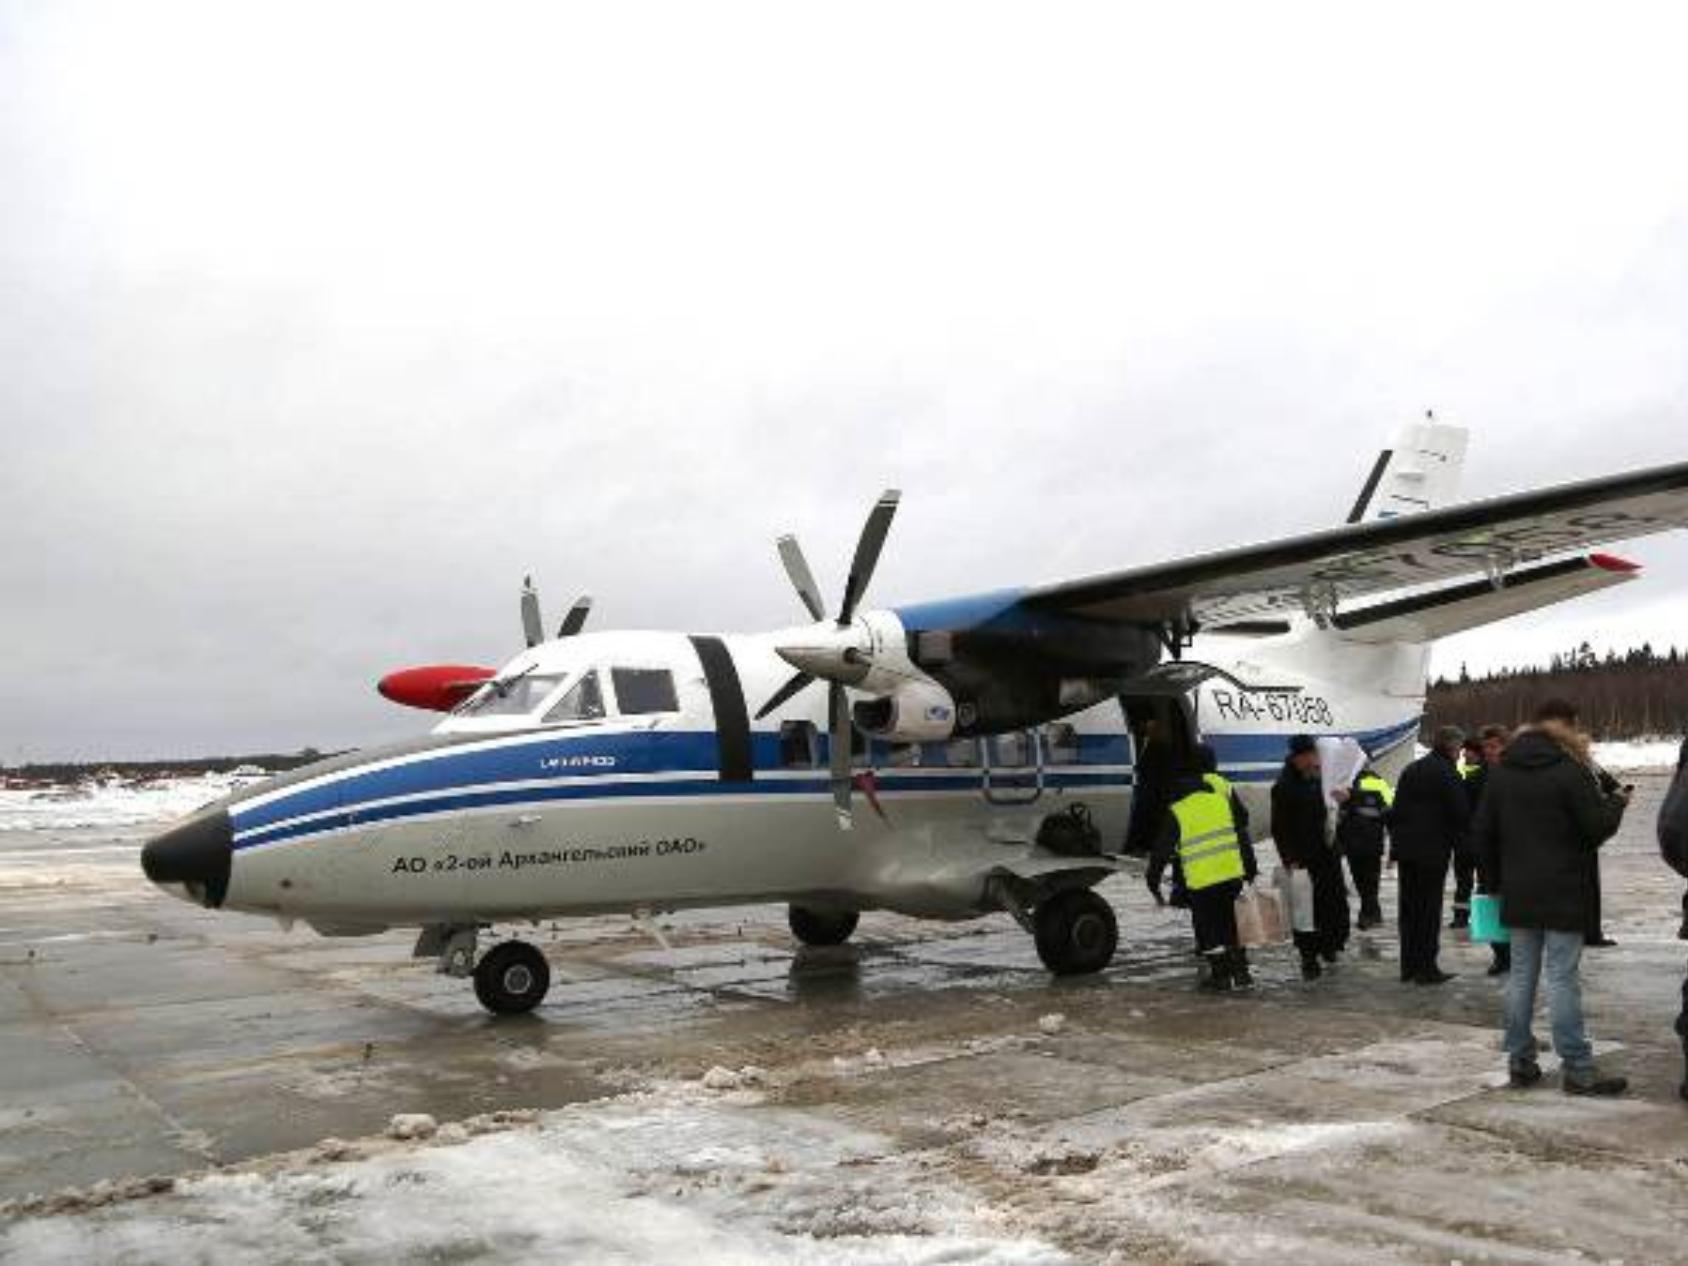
193 856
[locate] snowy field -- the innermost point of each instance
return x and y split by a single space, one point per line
178 1087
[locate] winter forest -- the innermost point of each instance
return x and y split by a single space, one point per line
1640 693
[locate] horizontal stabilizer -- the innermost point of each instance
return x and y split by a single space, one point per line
1424 617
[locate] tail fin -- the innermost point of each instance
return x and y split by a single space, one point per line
1420 472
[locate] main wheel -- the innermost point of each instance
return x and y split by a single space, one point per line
822 927
1076 932
512 978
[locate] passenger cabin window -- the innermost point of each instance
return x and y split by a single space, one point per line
1063 744
583 702
962 753
800 746
639 691
902 755
1011 750
517 697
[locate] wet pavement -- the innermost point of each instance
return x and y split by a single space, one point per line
1350 1119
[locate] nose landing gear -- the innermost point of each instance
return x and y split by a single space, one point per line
510 978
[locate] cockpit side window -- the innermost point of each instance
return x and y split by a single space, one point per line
517 697
583 702
639 691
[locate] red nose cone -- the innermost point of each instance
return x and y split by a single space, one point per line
434 687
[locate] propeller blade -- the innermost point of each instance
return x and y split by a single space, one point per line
872 540
793 685
838 720
575 620
533 628
802 579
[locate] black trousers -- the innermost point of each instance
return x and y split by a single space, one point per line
1330 908
1365 867
1421 913
1213 915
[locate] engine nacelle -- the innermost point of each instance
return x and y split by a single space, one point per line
915 712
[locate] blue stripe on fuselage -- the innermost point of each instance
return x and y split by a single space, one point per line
569 766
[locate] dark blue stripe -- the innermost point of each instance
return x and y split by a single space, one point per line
965 781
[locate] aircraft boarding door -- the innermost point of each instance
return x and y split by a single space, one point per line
1013 765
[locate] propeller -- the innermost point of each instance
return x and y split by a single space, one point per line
533 623
842 665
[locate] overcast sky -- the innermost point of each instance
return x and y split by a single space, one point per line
322 324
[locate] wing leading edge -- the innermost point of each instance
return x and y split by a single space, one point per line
1316 572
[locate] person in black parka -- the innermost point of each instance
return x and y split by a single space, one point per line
1299 831
1542 818
1428 822
1673 847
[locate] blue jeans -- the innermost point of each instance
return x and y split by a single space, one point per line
1561 954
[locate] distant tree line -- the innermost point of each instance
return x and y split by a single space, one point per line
1640 693
69 771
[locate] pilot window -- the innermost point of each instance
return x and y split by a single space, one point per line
643 690
583 702
516 697
800 746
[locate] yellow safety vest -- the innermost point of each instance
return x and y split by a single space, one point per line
1379 784
1219 785
1208 850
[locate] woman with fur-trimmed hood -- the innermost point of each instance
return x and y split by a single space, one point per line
1542 817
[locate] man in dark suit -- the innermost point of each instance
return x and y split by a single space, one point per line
1428 822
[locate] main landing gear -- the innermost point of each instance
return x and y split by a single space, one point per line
510 978
1075 932
822 927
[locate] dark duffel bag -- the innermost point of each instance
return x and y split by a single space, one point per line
1070 833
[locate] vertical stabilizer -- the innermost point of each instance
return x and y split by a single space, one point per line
1421 472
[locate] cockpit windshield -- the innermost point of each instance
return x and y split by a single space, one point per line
516 696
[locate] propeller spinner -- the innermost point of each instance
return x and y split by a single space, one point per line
832 652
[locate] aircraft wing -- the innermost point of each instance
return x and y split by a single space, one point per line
1314 573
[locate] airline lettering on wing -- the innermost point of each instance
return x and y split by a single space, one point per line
1301 709
1523 541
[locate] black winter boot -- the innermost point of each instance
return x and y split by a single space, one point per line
1218 978
1240 974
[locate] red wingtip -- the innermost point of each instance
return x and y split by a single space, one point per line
1611 562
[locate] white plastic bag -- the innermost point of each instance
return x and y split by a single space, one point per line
1296 887
1260 918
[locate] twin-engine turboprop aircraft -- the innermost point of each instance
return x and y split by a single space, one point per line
897 758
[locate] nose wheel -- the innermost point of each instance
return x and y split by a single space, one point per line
821 927
512 978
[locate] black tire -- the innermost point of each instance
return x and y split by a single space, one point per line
1076 932
512 978
822 927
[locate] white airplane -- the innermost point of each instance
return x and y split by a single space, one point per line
899 759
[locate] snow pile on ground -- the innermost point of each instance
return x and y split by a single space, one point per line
112 801
1656 753
669 1176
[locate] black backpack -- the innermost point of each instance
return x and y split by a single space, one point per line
1070 833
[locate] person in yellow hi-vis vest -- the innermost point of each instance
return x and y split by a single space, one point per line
1205 833
1362 828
